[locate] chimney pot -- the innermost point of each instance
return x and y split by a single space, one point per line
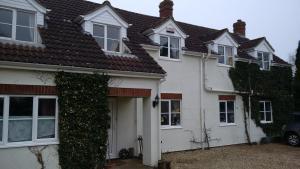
240 27
166 8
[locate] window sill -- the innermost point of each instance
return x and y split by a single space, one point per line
170 127
266 122
28 144
227 124
17 42
169 59
224 65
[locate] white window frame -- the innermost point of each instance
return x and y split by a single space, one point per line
35 141
106 38
1 141
169 48
170 126
264 111
226 113
263 60
225 55
14 25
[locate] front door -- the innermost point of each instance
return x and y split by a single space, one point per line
112 137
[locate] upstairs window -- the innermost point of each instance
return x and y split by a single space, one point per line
169 47
225 55
108 37
17 25
264 60
265 109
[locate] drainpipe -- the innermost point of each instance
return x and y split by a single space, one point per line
159 117
201 102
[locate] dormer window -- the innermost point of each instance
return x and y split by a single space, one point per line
264 60
169 47
225 55
17 25
108 37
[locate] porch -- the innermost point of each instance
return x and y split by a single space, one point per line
133 116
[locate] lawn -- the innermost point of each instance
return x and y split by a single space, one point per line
270 156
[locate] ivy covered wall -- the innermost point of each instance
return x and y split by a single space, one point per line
274 85
83 120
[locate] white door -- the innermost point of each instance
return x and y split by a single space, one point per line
112 142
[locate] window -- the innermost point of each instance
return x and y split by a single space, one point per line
28 120
108 37
265 109
226 111
17 25
225 55
169 47
264 60
1 117
170 113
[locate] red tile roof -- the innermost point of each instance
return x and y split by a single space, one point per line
67 45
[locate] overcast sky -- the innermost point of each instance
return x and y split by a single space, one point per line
277 20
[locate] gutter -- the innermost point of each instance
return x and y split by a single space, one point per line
73 69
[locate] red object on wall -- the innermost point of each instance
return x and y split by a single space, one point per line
227 97
177 96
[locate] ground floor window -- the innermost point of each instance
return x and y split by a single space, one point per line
170 113
28 120
265 109
226 109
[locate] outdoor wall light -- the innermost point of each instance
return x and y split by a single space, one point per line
155 102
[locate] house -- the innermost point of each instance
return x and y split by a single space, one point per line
149 58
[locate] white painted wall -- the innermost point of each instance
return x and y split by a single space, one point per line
16 158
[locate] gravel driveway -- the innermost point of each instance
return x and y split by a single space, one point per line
271 156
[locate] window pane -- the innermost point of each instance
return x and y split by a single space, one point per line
98 30
164 42
175 106
47 107
100 42
266 56
268 116
1 117
6 16
230 118
221 50
113 45
261 106
262 116
268 106
25 34
164 51
164 107
19 130
221 59
230 107
229 51
25 19
5 30
175 119
223 117
1 108
266 65
174 53
113 32
174 43
222 107
20 119
46 128
20 107
164 119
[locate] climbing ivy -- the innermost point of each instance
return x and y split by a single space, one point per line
83 120
274 85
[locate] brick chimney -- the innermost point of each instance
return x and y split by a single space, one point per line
240 28
166 8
